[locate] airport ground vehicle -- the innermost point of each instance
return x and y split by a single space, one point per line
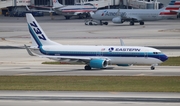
92 22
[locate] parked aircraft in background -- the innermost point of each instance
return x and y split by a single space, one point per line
93 56
70 10
119 16
73 10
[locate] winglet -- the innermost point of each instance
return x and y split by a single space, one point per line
27 8
122 43
29 51
56 4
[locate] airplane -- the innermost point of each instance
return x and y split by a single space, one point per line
72 10
119 16
98 57
69 10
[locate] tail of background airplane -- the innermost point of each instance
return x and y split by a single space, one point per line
38 36
173 5
56 4
171 9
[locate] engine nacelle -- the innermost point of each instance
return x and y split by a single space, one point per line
124 65
98 63
117 20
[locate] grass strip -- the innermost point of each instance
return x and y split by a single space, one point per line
92 83
172 61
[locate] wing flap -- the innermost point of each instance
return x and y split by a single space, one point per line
133 17
73 58
65 57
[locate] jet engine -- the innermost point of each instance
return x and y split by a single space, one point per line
98 63
117 20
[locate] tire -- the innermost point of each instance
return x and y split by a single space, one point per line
105 23
67 17
152 68
141 23
90 23
131 22
80 16
87 67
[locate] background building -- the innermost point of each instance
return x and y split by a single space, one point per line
7 6
145 4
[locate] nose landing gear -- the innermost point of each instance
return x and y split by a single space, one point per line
153 66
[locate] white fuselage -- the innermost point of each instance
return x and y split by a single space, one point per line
116 54
142 14
72 9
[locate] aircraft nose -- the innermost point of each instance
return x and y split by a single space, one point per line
163 58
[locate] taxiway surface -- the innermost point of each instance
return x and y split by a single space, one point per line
156 33
56 98
78 70
14 32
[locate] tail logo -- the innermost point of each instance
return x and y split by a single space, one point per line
104 13
37 31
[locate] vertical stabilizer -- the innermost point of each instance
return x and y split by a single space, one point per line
173 5
38 36
56 4
171 9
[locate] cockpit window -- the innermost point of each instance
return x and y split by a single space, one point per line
154 52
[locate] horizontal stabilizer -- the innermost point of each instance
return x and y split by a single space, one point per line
29 51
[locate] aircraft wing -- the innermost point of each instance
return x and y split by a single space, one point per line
65 57
73 58
132 17
49 11
77 13
70 58
82 11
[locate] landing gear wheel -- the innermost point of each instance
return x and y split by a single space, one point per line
87 67
100 22
67 17
90 23
81 16
105 23
141 23
131 22
152 68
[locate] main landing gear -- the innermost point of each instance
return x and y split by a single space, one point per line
67 17
140 23
103 23
87 67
